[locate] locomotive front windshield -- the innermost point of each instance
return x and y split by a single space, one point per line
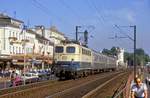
70 49
59 49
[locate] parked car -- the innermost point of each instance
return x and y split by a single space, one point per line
36 73
42 74
30 78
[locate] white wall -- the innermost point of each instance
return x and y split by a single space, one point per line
5 33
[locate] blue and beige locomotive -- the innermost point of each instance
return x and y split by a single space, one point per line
73 60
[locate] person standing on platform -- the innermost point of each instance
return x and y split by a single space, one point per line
12 78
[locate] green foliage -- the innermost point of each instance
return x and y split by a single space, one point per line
141 56
112 51
106 52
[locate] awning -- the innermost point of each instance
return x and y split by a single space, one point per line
22 63
4 57
37 62
20 56
31 56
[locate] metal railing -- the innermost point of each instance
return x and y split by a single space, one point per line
125 91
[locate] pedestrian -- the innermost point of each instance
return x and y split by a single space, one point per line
139 89
12 78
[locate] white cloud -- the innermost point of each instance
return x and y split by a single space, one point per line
130 17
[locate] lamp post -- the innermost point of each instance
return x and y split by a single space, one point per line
24 56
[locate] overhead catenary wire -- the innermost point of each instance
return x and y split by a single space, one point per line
124 33
92 27
37 5
102 19
74 13
98 11
100 16
46 10
77 16
119 40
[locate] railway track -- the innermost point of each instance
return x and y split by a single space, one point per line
23 87
108 88
55 89
80 91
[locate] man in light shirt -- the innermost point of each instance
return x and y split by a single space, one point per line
139 89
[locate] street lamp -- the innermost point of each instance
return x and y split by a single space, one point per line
24 56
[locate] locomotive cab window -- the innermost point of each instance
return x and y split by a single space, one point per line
59 49
70 49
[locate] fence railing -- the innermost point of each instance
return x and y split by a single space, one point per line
125 91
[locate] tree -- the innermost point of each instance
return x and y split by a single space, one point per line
140 52
106 52
141 57
113 51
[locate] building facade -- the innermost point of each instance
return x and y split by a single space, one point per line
10 37
24 46
46 40
120 57
52 34
56 36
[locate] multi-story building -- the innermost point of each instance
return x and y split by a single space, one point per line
56 36
43 50
38 49
47 37
10 30
51 34
18 43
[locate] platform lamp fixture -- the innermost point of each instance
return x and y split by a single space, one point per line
24 48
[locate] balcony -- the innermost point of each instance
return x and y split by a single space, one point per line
15 42
18 41
13 38
25 40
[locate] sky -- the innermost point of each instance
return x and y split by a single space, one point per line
99 17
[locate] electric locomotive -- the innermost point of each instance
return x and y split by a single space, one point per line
73 60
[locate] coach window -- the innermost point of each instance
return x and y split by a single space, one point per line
59 49
70 49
